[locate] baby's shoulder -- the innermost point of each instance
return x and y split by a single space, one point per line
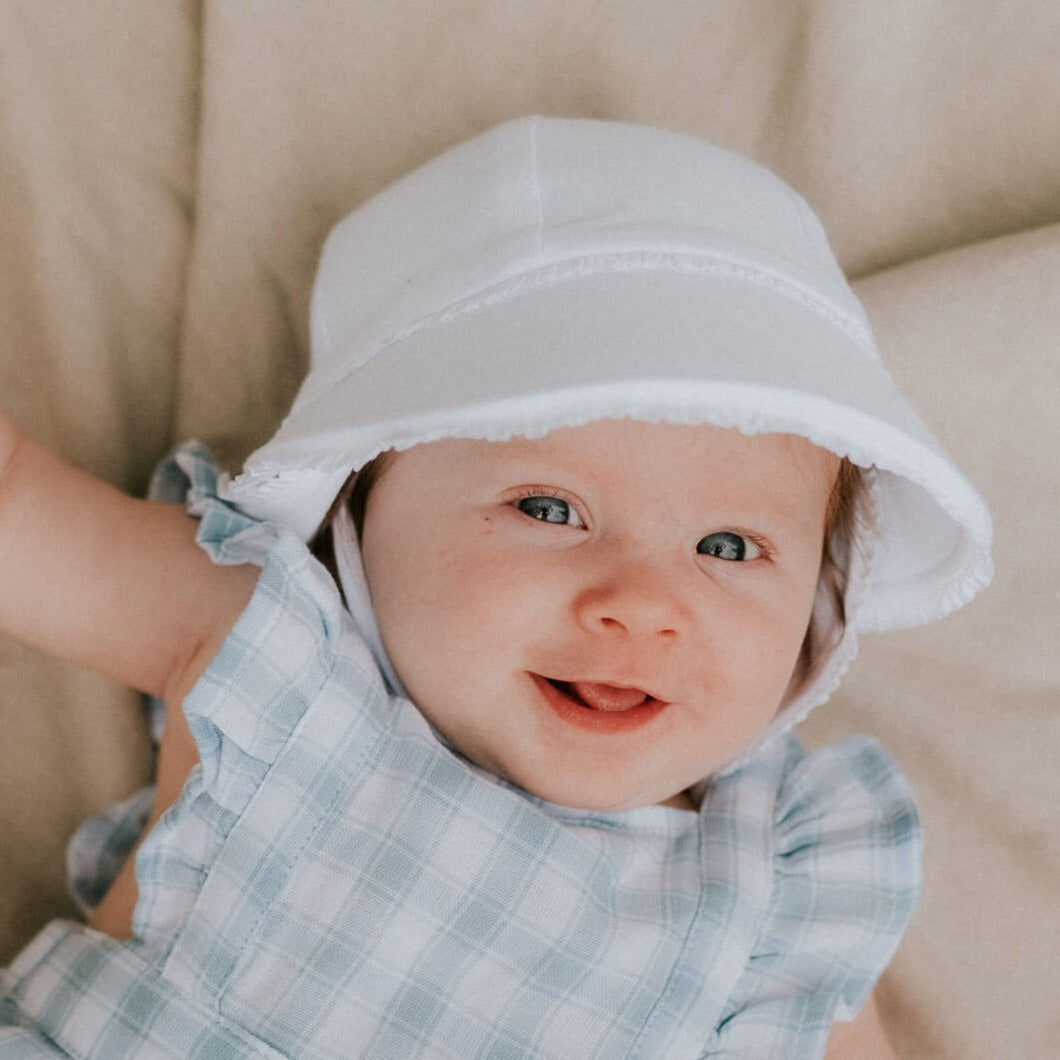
834 794
844 871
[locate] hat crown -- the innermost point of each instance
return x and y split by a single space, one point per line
534 196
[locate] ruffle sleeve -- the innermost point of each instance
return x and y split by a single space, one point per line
846 863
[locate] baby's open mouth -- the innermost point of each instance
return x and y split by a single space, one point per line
596 695
597 706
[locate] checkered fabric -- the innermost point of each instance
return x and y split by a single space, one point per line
335 882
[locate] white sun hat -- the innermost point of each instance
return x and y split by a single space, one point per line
552 272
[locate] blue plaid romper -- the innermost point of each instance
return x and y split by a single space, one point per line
335 882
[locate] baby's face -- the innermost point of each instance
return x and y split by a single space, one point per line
606 615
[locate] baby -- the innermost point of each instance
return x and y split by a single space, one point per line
480 677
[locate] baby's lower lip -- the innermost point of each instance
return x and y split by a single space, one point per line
606 708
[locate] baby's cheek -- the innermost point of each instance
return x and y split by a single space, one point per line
767 653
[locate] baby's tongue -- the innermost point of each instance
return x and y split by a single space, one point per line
607 697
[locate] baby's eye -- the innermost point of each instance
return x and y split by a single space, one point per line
549 510
726 545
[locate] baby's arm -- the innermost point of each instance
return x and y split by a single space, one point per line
104 580
118 585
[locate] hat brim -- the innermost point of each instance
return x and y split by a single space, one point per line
655 346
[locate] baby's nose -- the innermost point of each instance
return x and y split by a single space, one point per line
633 601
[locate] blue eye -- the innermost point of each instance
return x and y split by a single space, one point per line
726 545
549 510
